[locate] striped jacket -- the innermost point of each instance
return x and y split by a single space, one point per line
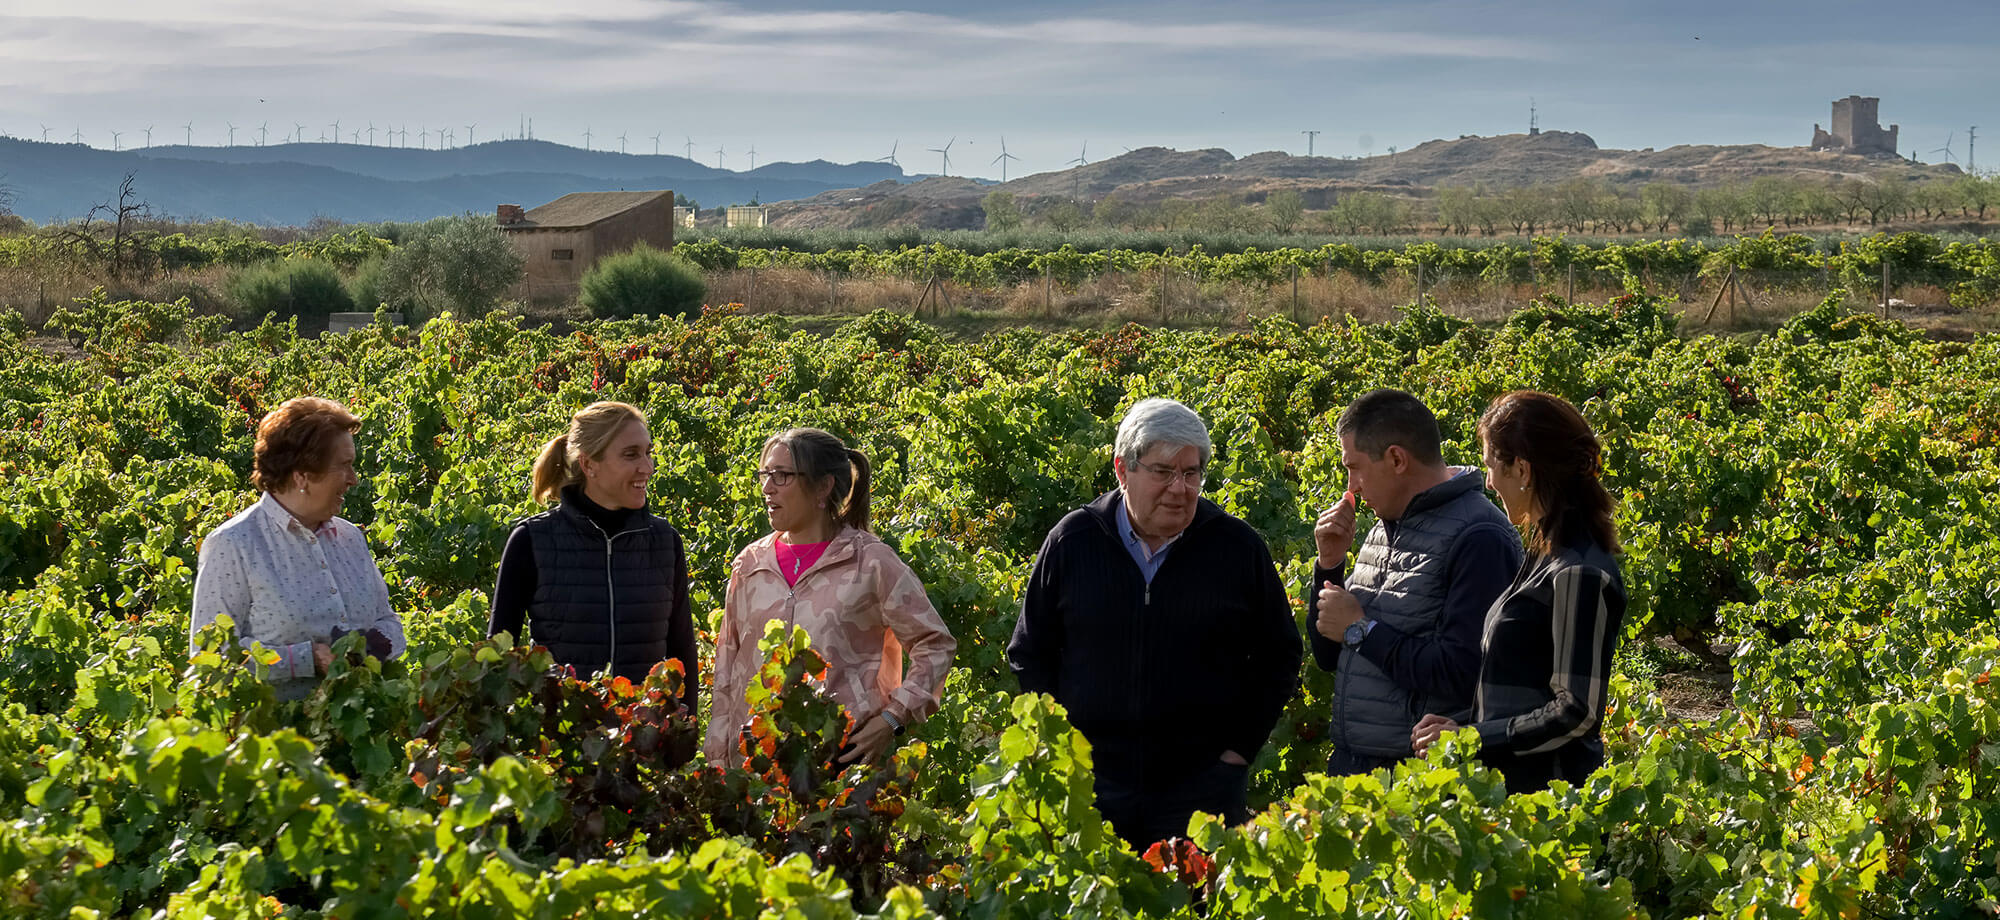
1545 666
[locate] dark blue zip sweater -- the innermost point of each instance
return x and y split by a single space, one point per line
1161 678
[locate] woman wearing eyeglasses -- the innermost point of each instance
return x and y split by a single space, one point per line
598 580
822 570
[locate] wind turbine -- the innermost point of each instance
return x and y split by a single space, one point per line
1076 176
468 133
446 138
78 137
232 132
298 133
586 137
621 142
149 135
945 152
718 156
753 157
336 131
190 133
1083 157
690 150
1946 149
423 137
114 139
262 130
371 134
891 158
656 145
45 134
1004 157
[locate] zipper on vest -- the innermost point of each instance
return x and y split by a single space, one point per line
611 595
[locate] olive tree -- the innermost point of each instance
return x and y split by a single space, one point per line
464 264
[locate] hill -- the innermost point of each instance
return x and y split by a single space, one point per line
1154 173
294 183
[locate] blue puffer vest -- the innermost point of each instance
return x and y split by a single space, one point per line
1400 578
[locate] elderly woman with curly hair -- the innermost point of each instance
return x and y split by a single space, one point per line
292 574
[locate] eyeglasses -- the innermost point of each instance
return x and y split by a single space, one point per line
1165 475
779 478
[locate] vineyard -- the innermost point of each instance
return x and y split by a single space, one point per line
1811 509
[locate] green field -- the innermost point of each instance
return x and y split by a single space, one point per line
1810 509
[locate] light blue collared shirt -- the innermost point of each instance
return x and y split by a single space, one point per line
1149 561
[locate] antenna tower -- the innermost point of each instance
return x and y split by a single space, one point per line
1310 137
1534 122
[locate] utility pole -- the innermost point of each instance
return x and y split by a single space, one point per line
1971 165
1310 137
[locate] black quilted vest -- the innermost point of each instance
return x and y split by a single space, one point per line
603 599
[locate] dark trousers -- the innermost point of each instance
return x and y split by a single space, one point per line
1351 763
1144 811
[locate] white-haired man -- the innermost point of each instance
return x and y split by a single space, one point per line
1158 621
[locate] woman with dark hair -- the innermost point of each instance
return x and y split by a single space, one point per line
599 581
1545 662
290 572
821 569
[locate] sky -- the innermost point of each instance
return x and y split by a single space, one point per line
856 79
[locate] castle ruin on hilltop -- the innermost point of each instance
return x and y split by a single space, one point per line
1856 129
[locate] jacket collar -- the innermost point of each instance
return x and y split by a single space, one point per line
590 516
845 545
1104 509
1464 479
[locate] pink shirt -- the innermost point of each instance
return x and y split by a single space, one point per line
794 558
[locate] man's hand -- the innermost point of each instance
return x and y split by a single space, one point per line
1427 731
1337 611
1234 759
322 658
1333 533
869 742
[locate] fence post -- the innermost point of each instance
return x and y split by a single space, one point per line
1164 277
1569 293
1420 285
1885 287
1295 293
1048 293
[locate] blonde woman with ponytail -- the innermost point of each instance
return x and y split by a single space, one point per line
821 569
598 580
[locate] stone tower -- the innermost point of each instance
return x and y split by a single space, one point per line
1857 129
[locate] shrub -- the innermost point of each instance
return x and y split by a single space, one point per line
462 264
303 288
365 288
643 281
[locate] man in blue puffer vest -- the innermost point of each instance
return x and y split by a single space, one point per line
1401 632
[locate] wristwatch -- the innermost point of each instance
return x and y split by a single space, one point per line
898 726
1356 631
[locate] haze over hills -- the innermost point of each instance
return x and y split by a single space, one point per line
294 183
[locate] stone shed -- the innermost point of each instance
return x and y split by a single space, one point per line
561 240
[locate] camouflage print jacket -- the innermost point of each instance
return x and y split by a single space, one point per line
863 609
